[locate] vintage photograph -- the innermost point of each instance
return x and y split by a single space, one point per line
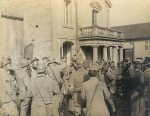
75 58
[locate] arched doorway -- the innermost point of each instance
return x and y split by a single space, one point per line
66 51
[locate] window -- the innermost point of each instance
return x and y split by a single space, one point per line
68 13
94 17
147 44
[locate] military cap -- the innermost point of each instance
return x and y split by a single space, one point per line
41 68
4 62
33 59
93 67
24 62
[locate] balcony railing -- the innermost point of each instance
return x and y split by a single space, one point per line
96 31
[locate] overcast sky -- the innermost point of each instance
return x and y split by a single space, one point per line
125 12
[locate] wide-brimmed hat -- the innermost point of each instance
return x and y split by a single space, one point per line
24 62
41 68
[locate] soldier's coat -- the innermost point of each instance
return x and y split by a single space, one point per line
98 106
7 93
80 76
47 88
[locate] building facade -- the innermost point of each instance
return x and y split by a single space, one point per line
137 38
63 28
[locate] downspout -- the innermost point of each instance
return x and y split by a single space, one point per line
76 6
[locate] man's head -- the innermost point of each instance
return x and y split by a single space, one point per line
93 70
25 64
119 64
6 64
112 64
34 62
41 68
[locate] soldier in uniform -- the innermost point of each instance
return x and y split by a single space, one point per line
110 78
54 70
43 88
94 92
8 96
34 63
80 76
146 75
23 82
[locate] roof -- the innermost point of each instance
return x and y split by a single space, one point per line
141 30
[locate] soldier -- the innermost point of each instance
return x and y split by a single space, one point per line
7 93
34 63
43 89
67 87
146 75
54 70
110 78
94 92
23 80
80 76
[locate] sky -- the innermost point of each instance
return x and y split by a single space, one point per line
126 12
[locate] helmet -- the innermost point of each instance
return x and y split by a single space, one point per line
24 62
74 58
41 68
4 62
33 59
45 57
93 67
80 63
6 57
51 60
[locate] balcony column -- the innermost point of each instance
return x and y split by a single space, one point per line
105 53
115 55
110 53
121 53
95 53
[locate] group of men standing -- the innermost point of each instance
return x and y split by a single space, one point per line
50 88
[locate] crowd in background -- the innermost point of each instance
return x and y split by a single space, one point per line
51 88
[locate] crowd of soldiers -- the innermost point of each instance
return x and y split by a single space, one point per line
45 87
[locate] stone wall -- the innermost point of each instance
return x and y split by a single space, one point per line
11 39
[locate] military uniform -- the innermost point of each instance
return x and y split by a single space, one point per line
54 73
24 91
146 76
98 106
80 76
110 78
7 94
43 89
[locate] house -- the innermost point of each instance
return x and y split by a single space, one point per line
137 38
60 29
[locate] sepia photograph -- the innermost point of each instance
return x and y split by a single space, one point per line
75 58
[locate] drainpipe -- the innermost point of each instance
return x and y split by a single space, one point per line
76 6
133 57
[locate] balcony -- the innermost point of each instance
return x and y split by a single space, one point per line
100 32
